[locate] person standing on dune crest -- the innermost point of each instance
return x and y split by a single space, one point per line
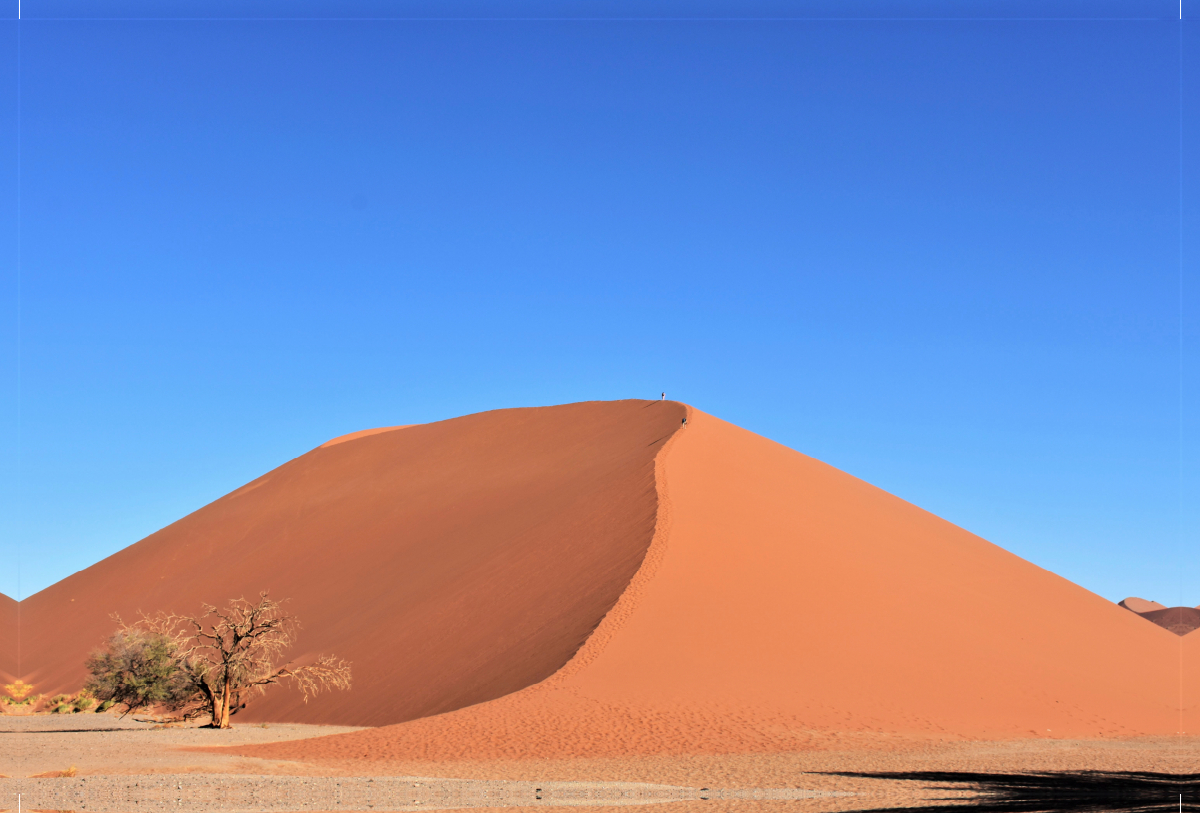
664 396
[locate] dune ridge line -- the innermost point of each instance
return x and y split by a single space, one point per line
627 604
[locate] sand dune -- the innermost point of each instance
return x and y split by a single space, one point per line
452 562
1189 667
782 598
1179 620
8 639
749 599
1141 605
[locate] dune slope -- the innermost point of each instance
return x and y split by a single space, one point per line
783 598
8 639
452 562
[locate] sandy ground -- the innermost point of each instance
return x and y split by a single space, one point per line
192 792
118 765
108 744
811 769
126 765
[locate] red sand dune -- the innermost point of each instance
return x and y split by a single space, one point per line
782 597
1141 605
8 639
452 562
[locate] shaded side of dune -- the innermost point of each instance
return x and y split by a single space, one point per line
785 602
8 639
1179 620
452 563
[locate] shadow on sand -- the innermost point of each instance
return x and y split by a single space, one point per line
1046 792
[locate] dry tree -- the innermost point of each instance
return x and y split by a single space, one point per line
223 656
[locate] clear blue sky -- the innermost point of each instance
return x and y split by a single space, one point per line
940 254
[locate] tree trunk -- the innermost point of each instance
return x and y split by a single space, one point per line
221 709
211 699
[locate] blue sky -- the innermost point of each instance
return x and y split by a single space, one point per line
936 245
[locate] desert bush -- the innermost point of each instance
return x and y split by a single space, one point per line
137 668
70 704
105 706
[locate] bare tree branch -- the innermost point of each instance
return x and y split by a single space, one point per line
222 655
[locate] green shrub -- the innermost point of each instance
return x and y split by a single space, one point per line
137 668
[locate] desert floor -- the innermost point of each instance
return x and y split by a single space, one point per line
127 765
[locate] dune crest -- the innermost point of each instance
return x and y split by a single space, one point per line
362 433
783 601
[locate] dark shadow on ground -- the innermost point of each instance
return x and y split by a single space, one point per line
1077 791
76 730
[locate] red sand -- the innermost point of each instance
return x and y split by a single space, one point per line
8 639
783 599
452 562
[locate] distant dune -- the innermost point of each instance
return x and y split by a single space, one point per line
452 563
8 639
1141 605
1179 620
782 597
